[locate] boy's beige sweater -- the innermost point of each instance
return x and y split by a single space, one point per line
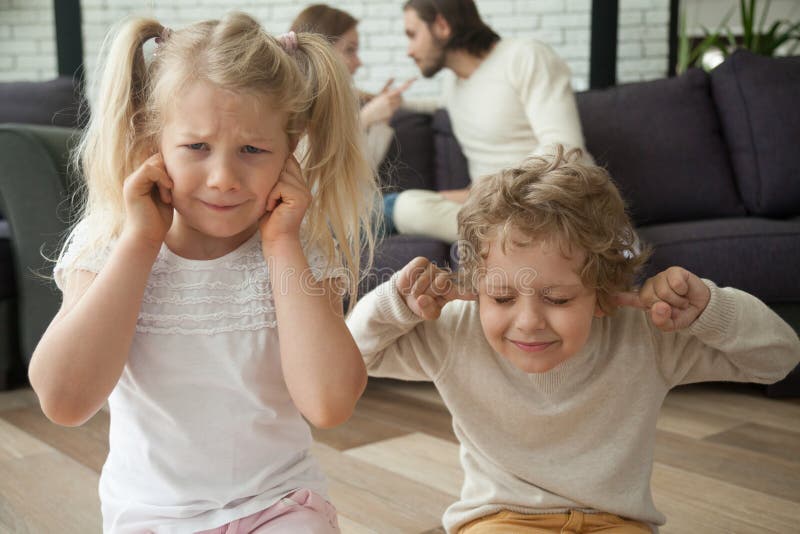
581 435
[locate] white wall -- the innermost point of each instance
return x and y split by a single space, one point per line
27 36
709 13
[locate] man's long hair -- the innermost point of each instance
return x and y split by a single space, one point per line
469 32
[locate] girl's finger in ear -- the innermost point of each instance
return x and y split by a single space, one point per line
156 160
292 165
164 193
274 197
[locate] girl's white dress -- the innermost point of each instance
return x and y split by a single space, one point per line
203 430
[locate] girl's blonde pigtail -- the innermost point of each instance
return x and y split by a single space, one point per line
345 190
114 142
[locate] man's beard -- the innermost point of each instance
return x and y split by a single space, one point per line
437 60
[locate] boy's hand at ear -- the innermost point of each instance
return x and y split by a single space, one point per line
426 288
675 298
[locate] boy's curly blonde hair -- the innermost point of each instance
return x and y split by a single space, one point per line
556 199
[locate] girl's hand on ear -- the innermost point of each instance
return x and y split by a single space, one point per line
147 194
426 288
286 205
675 298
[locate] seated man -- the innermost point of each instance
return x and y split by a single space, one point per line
511 99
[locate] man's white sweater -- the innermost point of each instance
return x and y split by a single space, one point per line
517 103
580 436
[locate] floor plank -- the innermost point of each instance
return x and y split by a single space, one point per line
87 444
763 439
697 503
15 444
46 491
738 401
17 398
410 414
691 422
359 430
748 469
425 459
348 526
728 461
378 498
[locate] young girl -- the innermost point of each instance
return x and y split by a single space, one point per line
201 244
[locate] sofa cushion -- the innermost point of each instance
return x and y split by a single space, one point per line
757 101
753 254
409 163
54 102
395 251
662 144
451 170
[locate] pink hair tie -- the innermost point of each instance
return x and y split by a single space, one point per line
166 33
288 41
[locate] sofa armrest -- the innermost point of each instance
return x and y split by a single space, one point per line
34 186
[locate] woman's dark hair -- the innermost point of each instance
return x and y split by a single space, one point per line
324 20
469 32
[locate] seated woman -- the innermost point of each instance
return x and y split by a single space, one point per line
339 27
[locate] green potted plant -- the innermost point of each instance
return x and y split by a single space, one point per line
755 37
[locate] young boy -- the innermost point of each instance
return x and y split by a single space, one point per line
554 395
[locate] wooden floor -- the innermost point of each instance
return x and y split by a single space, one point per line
727 462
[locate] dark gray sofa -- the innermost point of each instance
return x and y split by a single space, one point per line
32 157
709 165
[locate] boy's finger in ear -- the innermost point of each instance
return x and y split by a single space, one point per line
661 315
428 306
461 291
410 273
678 278
631 299
664 291
423 281
442 282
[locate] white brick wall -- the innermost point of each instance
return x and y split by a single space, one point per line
27 35
27 40
643 40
